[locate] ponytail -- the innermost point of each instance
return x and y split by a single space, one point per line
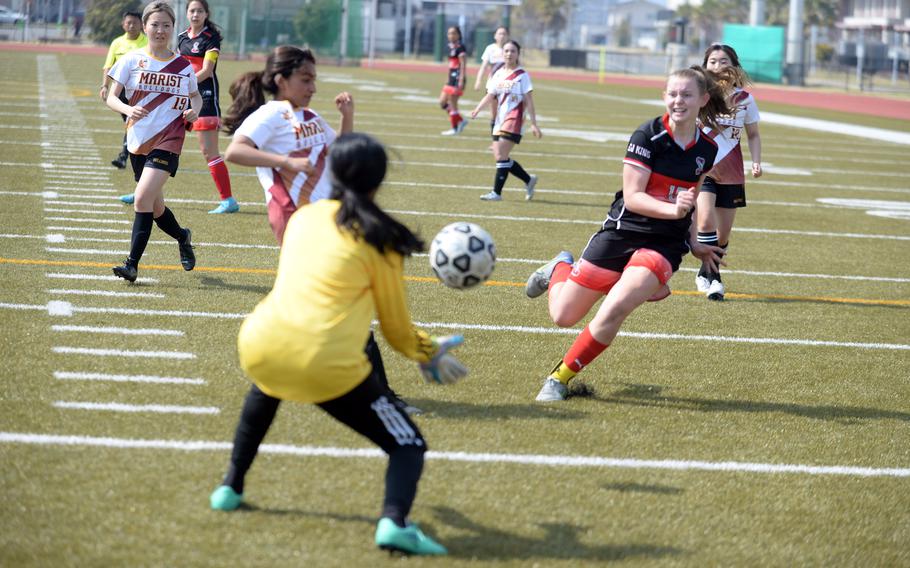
248 95
358 166
248 90
717 101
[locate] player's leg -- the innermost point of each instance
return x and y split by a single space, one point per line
706 224
459 121
208 143
375 357
163 216
444 104
256 417
725 219
369 410
644 275
501 149
150 182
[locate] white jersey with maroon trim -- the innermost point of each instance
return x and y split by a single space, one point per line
728 168
492 56
163 87
278 128
509 88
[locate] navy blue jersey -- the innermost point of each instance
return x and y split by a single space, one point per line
672 169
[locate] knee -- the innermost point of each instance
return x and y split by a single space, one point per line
563 317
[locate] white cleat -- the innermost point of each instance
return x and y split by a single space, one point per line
529 188
492 196
450 132
716 291
552 391
702 284
539 280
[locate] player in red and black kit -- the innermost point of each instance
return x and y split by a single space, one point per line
454 87
201 45
648 230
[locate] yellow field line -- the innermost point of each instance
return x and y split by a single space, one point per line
271 272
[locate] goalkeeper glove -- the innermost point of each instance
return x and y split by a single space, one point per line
444 368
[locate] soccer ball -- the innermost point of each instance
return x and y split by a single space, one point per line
462 255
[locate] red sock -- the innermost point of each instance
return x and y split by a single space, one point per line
583 351
454 118
221 176
560 274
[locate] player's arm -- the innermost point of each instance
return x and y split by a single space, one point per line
532 114
208 65
483 102
344 102
480 74
754 148
105 80
244 152
192 113
635 181
114 103
462 69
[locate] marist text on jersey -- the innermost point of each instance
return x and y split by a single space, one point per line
160 82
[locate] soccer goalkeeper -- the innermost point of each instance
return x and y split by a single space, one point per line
341 264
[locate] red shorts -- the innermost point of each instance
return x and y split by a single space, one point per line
206 123
589 275
450 90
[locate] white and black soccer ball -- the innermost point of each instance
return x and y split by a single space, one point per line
462 255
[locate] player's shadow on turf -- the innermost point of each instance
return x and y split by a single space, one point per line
486 411
594 206
632 487
652 395
215 282
559 542
252 508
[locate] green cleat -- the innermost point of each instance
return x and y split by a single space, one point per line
409 540
225 499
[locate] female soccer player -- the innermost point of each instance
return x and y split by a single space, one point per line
284 139
132 39
646 233
490 62
164 97
201 45
510 88
341 266
454 87
724 189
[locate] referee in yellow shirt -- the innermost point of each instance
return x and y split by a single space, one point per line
341 265
131 40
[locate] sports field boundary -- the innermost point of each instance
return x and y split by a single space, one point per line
456 456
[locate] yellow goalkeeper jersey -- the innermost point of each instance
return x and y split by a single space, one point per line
123 45
305 341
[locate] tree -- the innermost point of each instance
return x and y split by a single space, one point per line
318 24
543 17
105 18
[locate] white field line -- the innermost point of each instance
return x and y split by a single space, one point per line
67 276
89 211
86 251
119 206
469 457
118 407
118 330
123 353
88 229
78 220
106 293
461 215
494 328
151 379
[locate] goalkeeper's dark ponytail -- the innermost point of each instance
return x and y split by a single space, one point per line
358 165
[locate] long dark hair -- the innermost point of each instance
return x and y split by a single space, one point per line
717 101
358 166
740 76
248 90
208 21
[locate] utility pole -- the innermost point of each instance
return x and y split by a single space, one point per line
795 43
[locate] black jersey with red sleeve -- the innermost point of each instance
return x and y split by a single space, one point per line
672 169
194 49
455 51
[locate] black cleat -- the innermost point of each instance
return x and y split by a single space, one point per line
187 256
128 271
120 161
